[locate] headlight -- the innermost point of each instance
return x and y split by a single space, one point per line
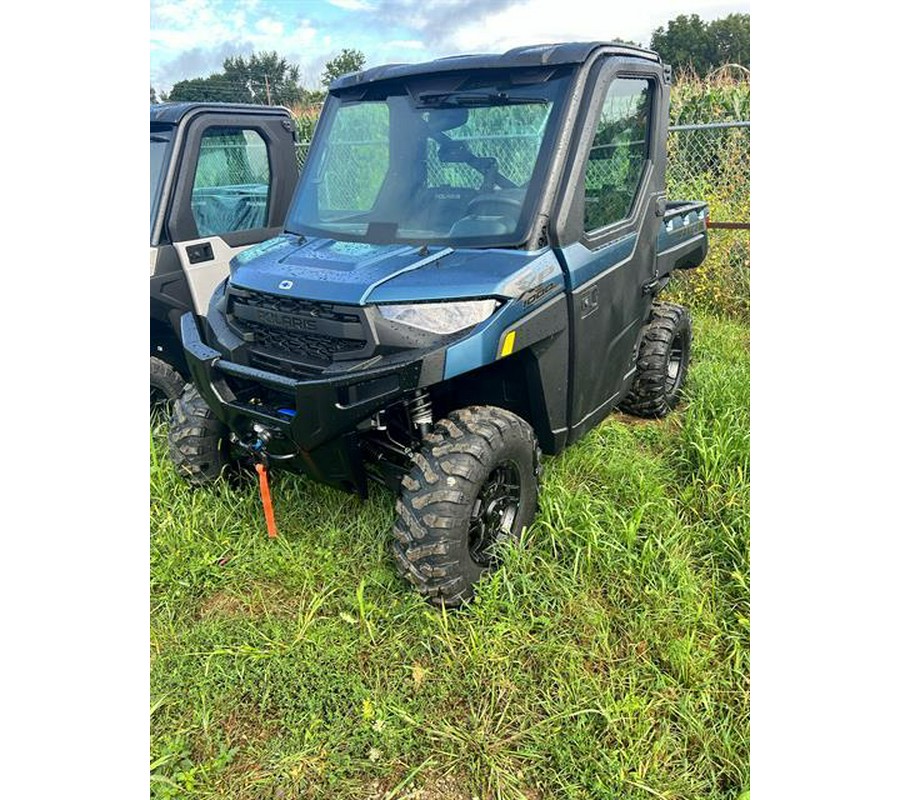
441 318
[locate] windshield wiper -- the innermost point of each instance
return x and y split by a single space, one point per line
474 100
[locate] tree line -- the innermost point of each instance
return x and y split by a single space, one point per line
687 43
260 78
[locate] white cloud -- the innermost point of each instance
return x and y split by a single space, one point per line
529 22
188 24
202 24
353 5
295 39
270 27
405 44
179 14
238 20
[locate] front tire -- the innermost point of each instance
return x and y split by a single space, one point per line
197 443
664 354
473 486
166 385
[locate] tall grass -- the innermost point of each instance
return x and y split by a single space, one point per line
305 118
607 659
723 96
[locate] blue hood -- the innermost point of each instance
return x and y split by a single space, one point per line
353 273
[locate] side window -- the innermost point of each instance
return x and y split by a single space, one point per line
619 150
231 185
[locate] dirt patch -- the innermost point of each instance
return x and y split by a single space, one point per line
433 786
260 599
222 604
631 422
244 730
241 728
668 423
247 725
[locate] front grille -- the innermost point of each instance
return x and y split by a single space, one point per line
274 328
292 305
302 346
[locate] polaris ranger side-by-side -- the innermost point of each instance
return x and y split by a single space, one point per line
467 276
221 179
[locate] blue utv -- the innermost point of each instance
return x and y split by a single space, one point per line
468 275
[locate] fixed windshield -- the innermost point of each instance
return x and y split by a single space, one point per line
426 165
160 141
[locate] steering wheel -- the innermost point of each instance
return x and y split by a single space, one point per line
514 205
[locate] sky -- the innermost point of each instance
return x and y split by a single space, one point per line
191 38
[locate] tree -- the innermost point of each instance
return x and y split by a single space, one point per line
689 43
267 77
214 89
730 39
261 78
153 95
348 61
684 43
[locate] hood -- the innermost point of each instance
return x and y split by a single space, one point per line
354 273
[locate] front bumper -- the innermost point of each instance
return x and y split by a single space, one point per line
315 422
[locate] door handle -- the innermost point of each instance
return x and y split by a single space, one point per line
197 253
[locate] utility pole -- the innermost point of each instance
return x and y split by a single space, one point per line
268 93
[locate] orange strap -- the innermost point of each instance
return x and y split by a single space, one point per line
266 500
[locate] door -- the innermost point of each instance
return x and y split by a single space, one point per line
233 188
618 178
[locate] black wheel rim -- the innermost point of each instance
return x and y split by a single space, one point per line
494 513
675 365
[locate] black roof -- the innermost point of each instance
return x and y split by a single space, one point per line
532 56
175 112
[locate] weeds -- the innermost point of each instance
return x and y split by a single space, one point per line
608 658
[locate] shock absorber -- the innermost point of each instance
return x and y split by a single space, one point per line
419 409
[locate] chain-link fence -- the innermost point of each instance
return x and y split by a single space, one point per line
302 153
712 163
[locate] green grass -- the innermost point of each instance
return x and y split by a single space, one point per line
609 658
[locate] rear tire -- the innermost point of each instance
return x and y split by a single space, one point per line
197 443
664 354
166 385
473 486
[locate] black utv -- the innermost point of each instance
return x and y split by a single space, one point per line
468 275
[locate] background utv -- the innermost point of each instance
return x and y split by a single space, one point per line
221 179
467 276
